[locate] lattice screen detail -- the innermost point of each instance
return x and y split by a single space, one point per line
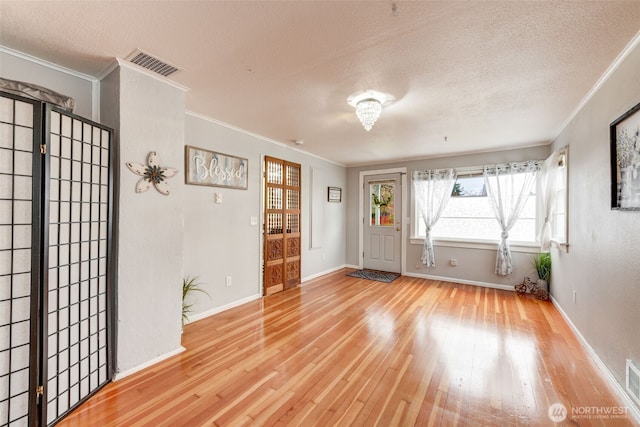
77 276
282 225
16 182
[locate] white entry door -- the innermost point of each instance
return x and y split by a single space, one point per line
382 222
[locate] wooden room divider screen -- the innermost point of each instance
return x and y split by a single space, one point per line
281 225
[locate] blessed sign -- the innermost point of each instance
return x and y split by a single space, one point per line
204 167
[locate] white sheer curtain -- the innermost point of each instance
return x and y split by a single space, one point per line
548 192
508 187
432 190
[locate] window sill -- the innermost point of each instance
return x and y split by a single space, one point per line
560 245
527 247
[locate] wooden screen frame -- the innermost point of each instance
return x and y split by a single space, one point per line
282 245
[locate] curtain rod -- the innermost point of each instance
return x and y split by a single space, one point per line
470 170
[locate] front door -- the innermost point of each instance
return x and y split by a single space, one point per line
382 222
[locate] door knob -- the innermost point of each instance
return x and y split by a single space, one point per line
397 228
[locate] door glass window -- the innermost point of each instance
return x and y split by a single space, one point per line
382 203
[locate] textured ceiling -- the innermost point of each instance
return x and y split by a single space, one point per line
486 74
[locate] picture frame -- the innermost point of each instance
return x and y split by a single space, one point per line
213 169
625 160
334 194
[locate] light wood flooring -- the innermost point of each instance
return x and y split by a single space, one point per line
341 351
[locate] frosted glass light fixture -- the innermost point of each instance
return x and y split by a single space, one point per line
368 111
368 105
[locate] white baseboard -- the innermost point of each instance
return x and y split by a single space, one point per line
322 273
462 281
222 308
357 267
609 377
120 375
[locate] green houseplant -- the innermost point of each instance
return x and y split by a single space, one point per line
189 286
542 263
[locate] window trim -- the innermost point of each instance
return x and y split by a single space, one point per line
564 245
470 243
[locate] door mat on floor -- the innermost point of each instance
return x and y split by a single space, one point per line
379 276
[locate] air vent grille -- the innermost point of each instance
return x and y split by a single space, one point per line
633 380
152 63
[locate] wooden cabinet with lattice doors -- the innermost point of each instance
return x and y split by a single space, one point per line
281 225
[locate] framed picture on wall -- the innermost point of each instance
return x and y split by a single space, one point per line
625 160
335 194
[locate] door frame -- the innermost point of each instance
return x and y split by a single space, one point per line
406 219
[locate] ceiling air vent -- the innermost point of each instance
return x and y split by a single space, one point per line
152 63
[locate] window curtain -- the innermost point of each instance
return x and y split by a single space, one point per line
432 191
548 194
508 187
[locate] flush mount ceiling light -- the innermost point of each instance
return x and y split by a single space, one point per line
368 105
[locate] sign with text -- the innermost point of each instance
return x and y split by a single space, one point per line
204 167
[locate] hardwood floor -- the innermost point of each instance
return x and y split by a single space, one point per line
342 351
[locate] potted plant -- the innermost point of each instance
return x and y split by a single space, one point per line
542 263
189 286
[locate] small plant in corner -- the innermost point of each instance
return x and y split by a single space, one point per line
542 262
189 286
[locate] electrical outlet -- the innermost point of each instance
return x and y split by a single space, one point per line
417 266
228 280
575 296
453 262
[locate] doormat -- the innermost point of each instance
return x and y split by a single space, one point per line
379 276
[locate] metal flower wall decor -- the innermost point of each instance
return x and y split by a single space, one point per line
152 174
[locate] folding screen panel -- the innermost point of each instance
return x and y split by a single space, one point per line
79 217
19 254
56 289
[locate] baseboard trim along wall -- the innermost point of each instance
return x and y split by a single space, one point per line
462 281
120 375
222 308
617 387
323 273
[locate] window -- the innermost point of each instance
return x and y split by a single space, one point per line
468 215
382 204
559 221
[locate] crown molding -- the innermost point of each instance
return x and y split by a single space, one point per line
635 41
47 64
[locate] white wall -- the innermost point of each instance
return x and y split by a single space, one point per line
148 114
219 240
603 262
17 66
474 265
